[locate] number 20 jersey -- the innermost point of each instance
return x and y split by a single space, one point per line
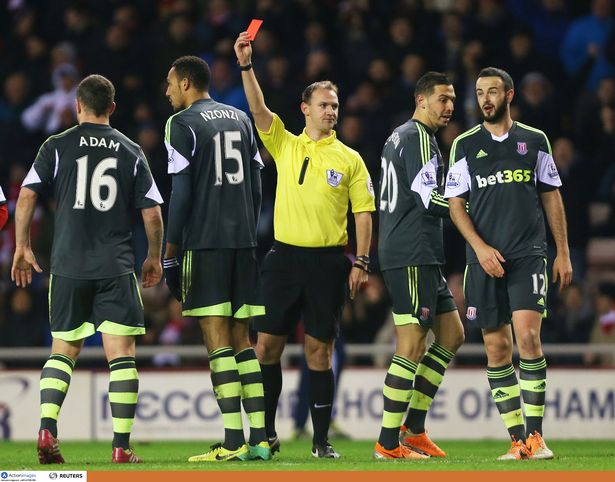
214 145
98 177
501 178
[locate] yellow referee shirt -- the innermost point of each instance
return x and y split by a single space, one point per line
315 182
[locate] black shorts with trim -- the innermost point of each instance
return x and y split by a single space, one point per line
78 307
419 293
221 282
491 301
304 282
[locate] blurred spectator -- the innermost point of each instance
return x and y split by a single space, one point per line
49 111
548 19
354 37
282 96
369 310
593 133
524 58
452 40
225 85
318 66
24 324
401 40
573 320
604 326
586 41
365 102
351 132
537 105
576 193
491 26
16 90
472 60
412 69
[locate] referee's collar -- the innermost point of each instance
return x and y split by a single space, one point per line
322 142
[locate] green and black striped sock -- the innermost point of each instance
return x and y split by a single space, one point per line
123 396
54 383
397 389
427 380
533 382
252 396
507 397
227 387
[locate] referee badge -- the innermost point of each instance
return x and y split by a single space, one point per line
333 177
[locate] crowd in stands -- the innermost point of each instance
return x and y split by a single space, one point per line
560 53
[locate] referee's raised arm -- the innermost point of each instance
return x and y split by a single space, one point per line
263 117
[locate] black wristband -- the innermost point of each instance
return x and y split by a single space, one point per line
245 67
361 266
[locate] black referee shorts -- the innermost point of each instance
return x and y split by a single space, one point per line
303 281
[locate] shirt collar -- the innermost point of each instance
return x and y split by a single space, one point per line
428 129
322 142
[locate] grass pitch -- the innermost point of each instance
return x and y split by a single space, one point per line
295 456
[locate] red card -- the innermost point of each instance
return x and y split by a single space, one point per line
255 24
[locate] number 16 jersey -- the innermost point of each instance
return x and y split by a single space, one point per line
99 177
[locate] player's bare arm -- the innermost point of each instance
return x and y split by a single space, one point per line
489 258
358 276
556 217
263 117
152 269
24 259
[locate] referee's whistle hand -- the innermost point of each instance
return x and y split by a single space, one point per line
356 280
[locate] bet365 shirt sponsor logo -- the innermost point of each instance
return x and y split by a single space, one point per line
505 177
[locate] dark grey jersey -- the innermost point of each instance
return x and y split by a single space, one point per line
214 145
411 202
99 177
501 178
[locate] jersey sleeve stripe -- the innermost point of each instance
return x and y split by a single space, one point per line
55 169
167 127
538 131
194 139
467 133
31 178
424 144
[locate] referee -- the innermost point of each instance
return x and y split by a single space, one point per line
305 271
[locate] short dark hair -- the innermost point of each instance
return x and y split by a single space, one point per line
195 69
425 85
96 94
322 84
502 74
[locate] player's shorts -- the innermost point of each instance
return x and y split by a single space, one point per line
491 301
221 282
304 281
419 294
78 307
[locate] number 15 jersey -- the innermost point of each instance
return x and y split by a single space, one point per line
214 145
99 177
